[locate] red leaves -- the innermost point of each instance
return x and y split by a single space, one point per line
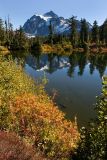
11 147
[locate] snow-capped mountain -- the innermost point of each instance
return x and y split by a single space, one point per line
39 24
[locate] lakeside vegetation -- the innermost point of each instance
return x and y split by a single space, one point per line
26 110
88 38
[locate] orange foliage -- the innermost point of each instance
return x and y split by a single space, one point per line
39 119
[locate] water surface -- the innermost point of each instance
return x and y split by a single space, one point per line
75 80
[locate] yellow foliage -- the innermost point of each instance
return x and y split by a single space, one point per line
47 48
4 50
57 48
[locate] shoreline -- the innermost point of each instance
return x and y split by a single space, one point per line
48 49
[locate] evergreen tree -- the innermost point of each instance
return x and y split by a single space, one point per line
20 40
6 31
9 33
51 33
73 26
84 31
103 32
95 32
36 45
1 32
15 45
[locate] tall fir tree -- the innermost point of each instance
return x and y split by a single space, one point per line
95 32
84 31
103 33
51 32
73 27
1 32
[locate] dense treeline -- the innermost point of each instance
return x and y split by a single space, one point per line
88 35
84 37
10 38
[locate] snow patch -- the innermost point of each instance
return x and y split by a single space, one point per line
30 35
43 17
63 27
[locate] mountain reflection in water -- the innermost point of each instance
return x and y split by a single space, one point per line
76 79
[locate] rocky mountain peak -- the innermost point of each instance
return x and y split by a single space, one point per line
50 14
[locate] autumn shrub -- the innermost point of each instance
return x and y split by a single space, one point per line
40 121
58 49
13 148
2 48
26 110
13 81
46 48
67 46
4 51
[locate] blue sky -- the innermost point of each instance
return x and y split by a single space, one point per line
20 10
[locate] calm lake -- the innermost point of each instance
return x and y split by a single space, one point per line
76 80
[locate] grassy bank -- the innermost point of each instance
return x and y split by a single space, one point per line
61 49
67 49
27 110
57 48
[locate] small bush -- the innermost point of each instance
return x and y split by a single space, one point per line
4 50
47 48
13 148
57 48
